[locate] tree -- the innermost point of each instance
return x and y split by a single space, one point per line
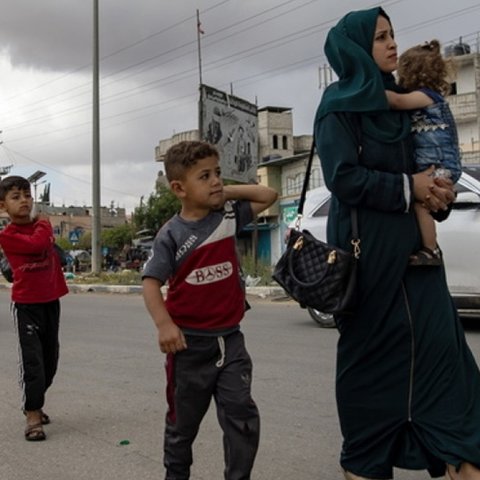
45 196
64 243
85 241
159 208
115 238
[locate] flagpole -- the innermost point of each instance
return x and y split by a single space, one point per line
199 31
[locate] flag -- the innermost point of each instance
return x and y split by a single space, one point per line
199 26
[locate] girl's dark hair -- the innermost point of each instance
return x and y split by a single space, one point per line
423 66
9 183
180 157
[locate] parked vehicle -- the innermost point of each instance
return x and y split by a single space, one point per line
82 260
458 238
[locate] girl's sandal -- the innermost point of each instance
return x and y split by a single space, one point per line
35 433
426 257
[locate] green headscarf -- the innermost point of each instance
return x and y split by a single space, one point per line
361 85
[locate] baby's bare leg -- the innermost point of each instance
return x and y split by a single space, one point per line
426 223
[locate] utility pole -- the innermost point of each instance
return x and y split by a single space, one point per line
199 48
96 220
6 169
200 79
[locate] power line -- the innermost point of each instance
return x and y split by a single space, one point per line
116 52
59 172
279 42
246 54
172 50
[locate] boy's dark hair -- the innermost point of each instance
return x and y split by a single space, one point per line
9 183
423 66
180 157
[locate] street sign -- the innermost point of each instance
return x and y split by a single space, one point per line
73 237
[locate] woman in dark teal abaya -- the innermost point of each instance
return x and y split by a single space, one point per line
407 385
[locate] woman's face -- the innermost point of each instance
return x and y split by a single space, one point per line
384 50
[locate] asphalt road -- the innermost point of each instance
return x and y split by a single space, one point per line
107 402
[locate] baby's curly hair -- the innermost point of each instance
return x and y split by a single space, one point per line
423 66
181 156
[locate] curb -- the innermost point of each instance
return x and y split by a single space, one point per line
262 292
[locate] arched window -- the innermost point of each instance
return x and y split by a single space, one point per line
284 142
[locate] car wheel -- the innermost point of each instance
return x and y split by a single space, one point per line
324 320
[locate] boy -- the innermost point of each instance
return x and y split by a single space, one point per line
38 283
198 323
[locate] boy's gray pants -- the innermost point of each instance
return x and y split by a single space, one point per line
218 367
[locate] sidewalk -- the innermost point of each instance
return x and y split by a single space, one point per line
262 292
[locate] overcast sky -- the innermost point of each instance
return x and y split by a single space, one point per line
267 51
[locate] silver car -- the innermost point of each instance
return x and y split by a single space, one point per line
458 238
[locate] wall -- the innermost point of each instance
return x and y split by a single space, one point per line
164 145
65 220
275 121
465 105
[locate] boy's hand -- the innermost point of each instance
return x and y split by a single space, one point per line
171 338
260 196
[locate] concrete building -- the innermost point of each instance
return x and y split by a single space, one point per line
165 144
465 99
72 222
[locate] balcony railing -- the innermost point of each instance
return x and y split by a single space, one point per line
463 106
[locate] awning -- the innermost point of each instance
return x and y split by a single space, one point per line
260 226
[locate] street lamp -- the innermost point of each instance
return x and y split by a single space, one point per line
34 178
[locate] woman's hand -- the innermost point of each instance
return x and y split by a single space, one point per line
433 193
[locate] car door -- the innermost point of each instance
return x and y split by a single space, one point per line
459 239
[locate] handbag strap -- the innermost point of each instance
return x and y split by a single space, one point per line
306 179
353 211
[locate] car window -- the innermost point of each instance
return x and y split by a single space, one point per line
322 211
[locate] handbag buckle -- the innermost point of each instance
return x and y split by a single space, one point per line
332 257
298 245
356 248
298 221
